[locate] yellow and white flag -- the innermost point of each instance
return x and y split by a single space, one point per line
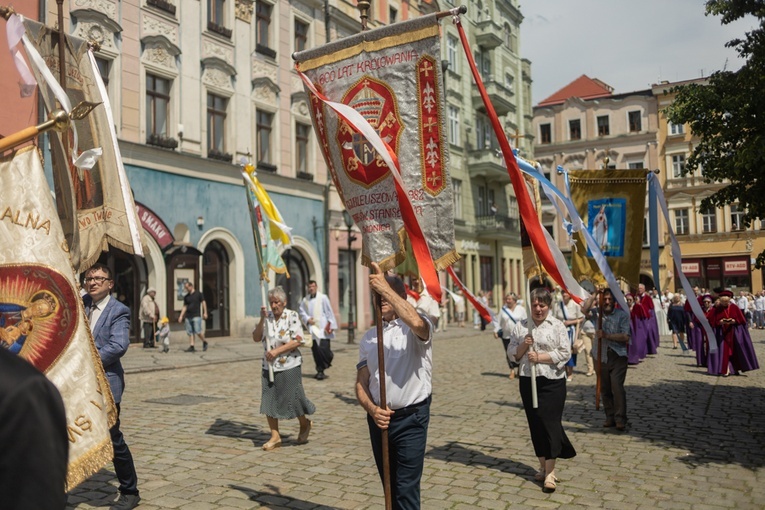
42 318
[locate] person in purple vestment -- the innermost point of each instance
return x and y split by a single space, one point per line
697 337
735 352
645 301
637 349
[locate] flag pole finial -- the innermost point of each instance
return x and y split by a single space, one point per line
364 6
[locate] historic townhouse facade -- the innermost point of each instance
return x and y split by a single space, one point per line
718 251
586 126
486 212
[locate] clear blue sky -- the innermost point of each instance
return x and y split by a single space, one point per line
629 44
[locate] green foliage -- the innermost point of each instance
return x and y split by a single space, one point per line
728 116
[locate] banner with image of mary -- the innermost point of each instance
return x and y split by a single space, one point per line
607 224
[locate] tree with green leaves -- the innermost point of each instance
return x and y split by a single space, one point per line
728 115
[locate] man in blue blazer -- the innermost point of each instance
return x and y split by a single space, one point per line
110 324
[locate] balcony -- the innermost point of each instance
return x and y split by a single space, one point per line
486 163
497 226
500 97
488 34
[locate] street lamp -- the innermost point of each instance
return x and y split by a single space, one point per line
352 284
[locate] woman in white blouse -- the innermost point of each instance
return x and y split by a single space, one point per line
283 398
549 348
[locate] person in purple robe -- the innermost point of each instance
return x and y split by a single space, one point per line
735 352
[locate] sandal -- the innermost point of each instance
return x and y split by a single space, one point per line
272 444
549 485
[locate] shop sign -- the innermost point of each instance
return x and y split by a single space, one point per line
474 246
691 268
736 267
154 226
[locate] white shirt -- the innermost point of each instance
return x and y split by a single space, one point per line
322 316
573 311
428 305
759 303
281 332
408 363
743 303
549 337
508 322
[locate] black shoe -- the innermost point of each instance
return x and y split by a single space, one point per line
204 345
609 423
190 349
320 376
126 502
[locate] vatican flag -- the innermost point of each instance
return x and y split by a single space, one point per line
42 318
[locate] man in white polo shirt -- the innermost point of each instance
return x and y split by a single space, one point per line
407 340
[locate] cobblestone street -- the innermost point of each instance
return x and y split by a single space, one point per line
192 423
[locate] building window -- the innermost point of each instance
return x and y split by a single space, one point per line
575 129
635 121
678 165
301 35
635 165
157 106
264 127
736 217
104 66
508 36
682 222
483 62
510 83
452 53
457 197
545 133
603 128
482 207
454 125
392 15
676 129
484 133
215 12
216 124
709 220
263 29
302 136
512 207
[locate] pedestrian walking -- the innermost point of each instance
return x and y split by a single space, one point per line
549 348
319 319
509 315
459 308
407 342
614 335
568 312
194 311
110 324
678 322
284 397
148 315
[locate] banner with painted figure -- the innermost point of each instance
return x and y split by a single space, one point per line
93 196
612 204
42 318
391 79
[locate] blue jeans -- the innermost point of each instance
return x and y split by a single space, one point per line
193 325
407 435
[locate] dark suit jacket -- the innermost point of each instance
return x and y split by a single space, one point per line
112 337
33 442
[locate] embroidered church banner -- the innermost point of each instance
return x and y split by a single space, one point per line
612 204
42 318
392 77
95 205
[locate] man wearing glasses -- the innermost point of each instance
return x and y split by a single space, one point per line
110 324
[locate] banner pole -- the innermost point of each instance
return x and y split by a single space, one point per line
534 398
600 346
263 298
383 401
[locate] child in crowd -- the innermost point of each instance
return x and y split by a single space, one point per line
163 335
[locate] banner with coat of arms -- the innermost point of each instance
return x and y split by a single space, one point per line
42 318
391 77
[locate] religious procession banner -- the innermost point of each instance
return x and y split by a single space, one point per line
612 204
392 81
42 318
93 195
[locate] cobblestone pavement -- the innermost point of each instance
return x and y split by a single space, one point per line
192 423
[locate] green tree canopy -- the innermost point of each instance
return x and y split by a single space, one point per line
728 116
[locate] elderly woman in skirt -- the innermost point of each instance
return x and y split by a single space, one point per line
549 348
283 398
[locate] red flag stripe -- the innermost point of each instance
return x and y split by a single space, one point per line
482 310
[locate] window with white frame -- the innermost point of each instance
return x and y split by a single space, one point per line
157 108
216 11
678 165
676 129
709 220
736 217
635 165
264 128
484 133
452 53
263 12
104 67
217 107
454 124
301 35
457 197
512 207
682 222
302 139
510 83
